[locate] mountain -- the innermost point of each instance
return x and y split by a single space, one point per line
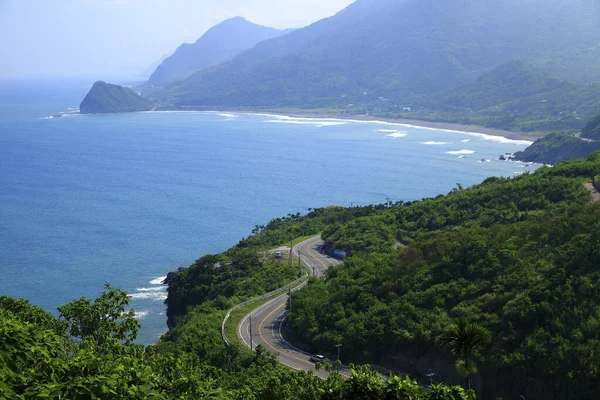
400 50
592 129
519 97
104 98
219 44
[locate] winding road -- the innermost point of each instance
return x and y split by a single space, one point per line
263 326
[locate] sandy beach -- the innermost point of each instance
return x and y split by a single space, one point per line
423 124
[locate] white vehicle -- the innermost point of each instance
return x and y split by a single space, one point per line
317 358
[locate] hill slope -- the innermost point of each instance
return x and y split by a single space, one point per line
219 44
104 98
399 50
592 129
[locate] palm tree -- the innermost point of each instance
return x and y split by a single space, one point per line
463 338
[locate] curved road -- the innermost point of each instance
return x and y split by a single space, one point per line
267 320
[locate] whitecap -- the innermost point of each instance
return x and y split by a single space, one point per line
141 314
397 135
158 281
431 143
226 115
459 152
313 122
461 157
158 296
465 141
150 289
387 130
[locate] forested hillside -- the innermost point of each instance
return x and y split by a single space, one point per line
592 129
400 50
516 256
518 97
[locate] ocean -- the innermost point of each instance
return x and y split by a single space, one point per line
126 198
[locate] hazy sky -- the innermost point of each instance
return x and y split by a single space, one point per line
123 37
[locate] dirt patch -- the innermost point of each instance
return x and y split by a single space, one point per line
595 194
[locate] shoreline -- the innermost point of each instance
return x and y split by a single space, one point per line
416 123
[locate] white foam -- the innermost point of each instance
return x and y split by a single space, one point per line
465 141
460 152
387 130
461 156
225 115
303 121
158 296
150 289
397 135
141 314
435 143
158 281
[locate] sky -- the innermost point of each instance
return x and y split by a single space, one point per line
105 38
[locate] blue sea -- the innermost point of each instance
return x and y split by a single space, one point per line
126 198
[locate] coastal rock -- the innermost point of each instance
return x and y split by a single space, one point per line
557 147
171 274
105 98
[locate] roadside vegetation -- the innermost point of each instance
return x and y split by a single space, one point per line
516 256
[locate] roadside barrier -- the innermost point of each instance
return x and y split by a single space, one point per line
266 296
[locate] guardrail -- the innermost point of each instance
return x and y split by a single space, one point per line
259 298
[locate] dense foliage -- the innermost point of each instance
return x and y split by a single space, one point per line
87 353
518 256
105 98
592 129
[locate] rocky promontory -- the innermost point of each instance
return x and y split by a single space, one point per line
105 98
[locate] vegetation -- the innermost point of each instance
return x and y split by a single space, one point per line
382 56
87 353
516 256
557 147
592 129
104 98
219 44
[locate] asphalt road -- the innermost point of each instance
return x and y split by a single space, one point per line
265 323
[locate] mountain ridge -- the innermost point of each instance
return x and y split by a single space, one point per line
220 43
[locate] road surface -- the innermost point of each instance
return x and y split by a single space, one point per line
267 320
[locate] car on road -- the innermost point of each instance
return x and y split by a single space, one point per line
317 358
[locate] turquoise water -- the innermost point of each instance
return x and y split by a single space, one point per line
126 198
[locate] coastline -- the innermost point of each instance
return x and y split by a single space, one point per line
475 130
445 126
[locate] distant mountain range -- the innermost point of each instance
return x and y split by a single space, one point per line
518 65
400 50
219 44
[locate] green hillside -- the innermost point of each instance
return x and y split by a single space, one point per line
219 44
518 97
592 129
518 256
104 98
400 50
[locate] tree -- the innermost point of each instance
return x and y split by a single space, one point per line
102 320
463 338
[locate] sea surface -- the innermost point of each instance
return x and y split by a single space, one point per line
126 198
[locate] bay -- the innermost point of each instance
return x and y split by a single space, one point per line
126 198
